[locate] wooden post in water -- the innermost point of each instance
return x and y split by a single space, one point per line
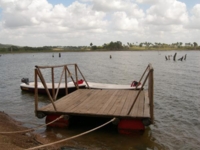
185 56
175 57
181 59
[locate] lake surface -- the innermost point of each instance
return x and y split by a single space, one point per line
176 96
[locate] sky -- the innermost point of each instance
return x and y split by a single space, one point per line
81 22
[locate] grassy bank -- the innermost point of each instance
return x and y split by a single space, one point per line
99 50
6 50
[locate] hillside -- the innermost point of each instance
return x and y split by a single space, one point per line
5 45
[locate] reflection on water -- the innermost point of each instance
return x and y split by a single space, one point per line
176 96
104 139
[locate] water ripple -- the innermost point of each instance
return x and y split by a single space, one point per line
176 94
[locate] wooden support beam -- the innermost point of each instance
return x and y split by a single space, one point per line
138 94
75 67
142 75
66 88
36 90
82 76
45 86
58 88
53 88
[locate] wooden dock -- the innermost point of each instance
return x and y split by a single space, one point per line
102 103
132 108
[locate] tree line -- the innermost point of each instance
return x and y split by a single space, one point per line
118 45
144 45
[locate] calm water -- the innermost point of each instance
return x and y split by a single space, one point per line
177 93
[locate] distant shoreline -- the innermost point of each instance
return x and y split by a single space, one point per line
106 47
64 51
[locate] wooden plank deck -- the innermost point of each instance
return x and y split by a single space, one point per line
110 103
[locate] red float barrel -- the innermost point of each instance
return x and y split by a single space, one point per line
61 123
129 126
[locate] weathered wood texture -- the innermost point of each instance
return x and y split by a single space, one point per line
93 102
54 95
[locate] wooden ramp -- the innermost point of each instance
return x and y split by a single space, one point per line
102 103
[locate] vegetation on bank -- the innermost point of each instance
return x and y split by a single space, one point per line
112 46
146 46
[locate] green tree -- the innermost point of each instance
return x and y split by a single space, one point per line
113 45
94 47
195 45
141 44
105 46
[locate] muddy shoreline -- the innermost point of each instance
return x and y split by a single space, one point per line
18 141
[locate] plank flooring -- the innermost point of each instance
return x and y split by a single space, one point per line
109 103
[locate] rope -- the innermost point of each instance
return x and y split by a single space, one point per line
31 123
29 130
66 139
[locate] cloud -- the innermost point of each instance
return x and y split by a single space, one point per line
97 21
22 13
194 22
122 15
40 18
121 21
167 12
147 1
113 6
82 17
40 12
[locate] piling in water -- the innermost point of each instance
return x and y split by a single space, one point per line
174 57
185 56
181 59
